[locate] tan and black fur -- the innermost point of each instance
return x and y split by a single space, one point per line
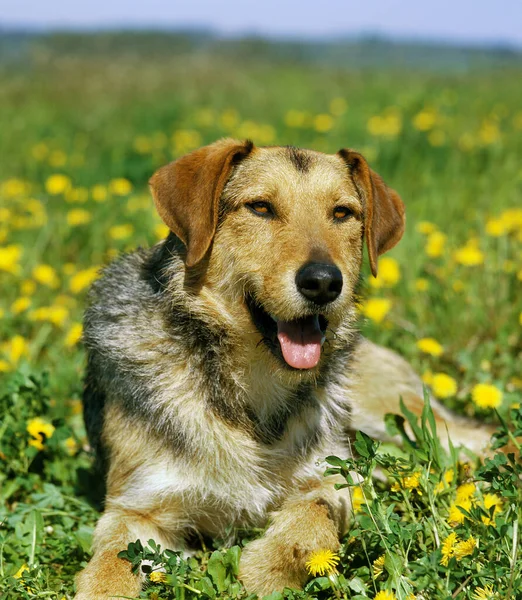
198 420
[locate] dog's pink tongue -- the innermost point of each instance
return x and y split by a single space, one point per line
301 342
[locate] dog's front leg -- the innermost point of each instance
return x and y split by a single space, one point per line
106 575
306 522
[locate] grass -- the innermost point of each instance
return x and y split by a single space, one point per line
81 134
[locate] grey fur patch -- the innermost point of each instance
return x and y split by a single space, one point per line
301 159
140 325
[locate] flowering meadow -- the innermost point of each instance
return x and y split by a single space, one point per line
81 135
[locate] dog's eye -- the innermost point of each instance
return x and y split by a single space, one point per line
341 213
263 209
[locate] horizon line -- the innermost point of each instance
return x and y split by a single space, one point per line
212 31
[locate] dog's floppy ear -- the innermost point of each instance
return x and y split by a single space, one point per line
384 217
186 193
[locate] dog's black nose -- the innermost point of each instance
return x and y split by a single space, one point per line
319 282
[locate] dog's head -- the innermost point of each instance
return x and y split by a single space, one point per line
281 232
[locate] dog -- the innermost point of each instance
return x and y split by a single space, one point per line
225 362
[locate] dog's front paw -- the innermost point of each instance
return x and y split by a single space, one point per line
264 569
107 576
278 559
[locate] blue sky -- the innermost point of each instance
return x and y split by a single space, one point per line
475 21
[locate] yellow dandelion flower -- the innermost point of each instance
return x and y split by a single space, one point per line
469 256
295 118
57 315
465 491
437 137
121 232
99 193
491 500
456 516
57 184
76 406
427 377
388 275
5 367
187 139
83 279
71 446
426 227
77 195
321 562
142 144
439 487
323 123
15 187
78 216
74 335
46 275
385 595
425 119
15 348
489 132
357 498
445 481
409 482
161 231
512 219
496 227
5 214
435 244
10 259
40 431
27 287
465 548
448 549
422 284
19 573
376 309
430 346
136 203
20 305
485 593
485 395
120 186
443 385
378 565
158 576
387 125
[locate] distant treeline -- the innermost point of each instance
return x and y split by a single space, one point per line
350 53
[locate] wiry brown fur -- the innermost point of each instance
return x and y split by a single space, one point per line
200 423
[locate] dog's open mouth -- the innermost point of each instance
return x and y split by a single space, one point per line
297 343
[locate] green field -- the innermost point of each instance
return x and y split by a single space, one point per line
83 126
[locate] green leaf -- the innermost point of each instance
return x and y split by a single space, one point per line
335 461
217 570
205 585
84 537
